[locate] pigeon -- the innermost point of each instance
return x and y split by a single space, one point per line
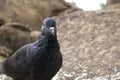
39 60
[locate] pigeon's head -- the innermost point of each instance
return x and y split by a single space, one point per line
49 24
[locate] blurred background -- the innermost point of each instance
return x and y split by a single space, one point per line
87 5
88 33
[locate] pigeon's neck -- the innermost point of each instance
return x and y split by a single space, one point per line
52 40
49 40
49 36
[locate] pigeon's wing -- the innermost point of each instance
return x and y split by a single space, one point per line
36 52
17 65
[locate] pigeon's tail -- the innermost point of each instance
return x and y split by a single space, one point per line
2 70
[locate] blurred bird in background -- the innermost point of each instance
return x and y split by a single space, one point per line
40 60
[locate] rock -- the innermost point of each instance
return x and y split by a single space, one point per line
113 4
90 44
4 77
35 35
14 36
31 12
1 22
17 26
5 52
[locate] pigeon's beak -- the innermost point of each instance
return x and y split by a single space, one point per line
52 30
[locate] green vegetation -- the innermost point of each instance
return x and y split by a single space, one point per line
103 6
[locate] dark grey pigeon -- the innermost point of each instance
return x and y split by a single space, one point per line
40 60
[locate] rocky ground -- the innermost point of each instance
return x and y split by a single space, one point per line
90 45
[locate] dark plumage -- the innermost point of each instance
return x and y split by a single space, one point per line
40 60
